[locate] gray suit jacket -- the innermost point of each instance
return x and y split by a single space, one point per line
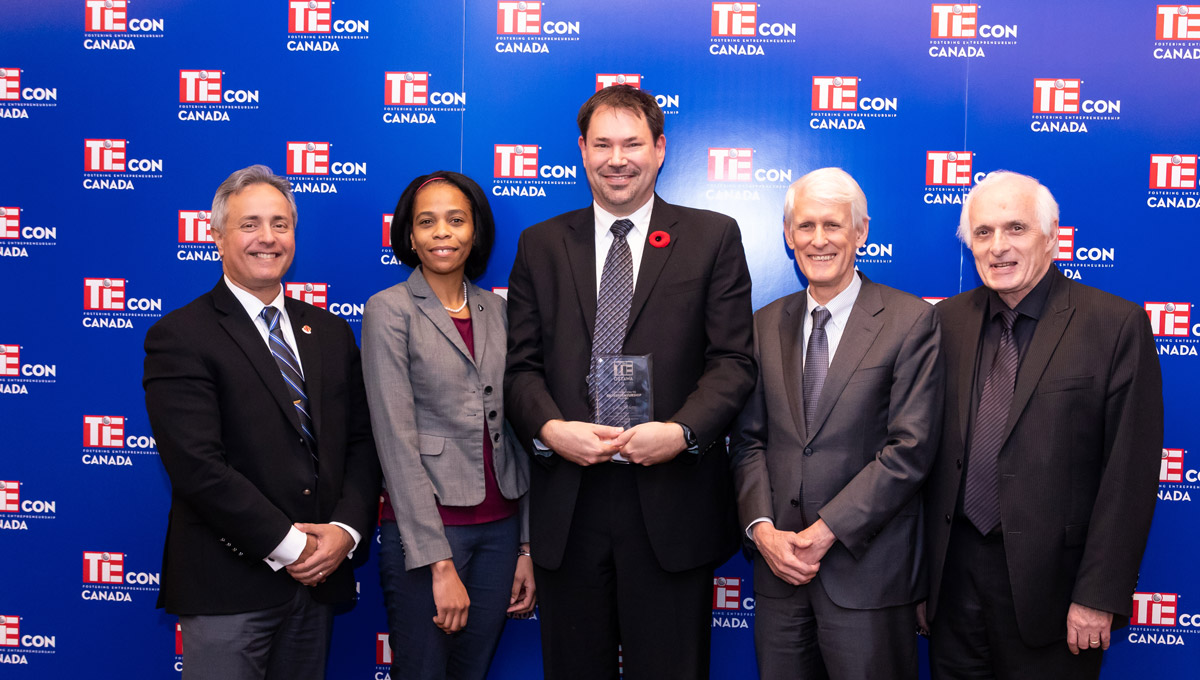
873 440
429 400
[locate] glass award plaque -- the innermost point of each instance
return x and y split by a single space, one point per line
624 395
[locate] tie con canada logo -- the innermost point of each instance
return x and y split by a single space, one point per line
311 172
317 295
16 239
1175 480
1057 106
17 101
106 304
730 609
313 28
836 104
669 103
17 376
1157 620
408 97
17 647
1073 258
517 171
733 177
108 26
521 27
105 442
15 511
1173 181
1176 32
108 165
956 31
1171 323
736 30
105 577
204 97
195 237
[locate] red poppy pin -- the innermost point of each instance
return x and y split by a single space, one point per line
660 239
307 329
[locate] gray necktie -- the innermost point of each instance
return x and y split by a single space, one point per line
612 317
981 499
816 363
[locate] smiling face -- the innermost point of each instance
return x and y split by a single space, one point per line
1011 251
621 159
443 229
258 240
824 239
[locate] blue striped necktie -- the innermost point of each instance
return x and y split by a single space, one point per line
612 317
289 367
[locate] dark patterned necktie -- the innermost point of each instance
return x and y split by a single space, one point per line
612 316
816 364
981 500
289 367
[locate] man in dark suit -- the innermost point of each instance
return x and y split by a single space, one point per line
1040 500
831 450
624 546
258 407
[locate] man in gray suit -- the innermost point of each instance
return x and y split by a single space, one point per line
831 450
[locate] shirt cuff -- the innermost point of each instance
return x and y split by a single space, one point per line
540 449
353 534
750 527
288 550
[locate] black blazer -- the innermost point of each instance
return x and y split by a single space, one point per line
691 310
1079 466
240 474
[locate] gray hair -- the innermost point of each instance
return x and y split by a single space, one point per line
233 184
828 186
1045 208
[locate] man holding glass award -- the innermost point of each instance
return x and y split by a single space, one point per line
629 355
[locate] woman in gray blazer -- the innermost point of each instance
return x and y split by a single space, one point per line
454 556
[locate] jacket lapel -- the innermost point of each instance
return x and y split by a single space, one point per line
1046 335
791 329
480 321
580 242
308 346
431 307
862 328
971 329
663 217
242 330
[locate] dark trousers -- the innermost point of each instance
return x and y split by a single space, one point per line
286 642
974 635
485 556
610 591
806 636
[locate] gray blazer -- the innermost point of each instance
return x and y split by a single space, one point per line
873 440
429 401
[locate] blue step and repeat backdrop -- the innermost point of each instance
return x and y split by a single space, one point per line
120 117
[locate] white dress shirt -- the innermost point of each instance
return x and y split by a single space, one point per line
289 549
636 238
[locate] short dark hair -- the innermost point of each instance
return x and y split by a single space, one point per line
623 97
481 216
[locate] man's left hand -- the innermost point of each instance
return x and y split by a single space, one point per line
333 544
651 443
821 538
1087 628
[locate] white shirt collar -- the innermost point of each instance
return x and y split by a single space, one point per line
841 304
639 217
251 303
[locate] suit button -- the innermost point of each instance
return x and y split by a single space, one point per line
958 463
795 502
496 437
808 451
487 390
947 519
301 440
308 492
492 415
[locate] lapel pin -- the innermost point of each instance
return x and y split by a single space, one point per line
660 239
480 307
307 329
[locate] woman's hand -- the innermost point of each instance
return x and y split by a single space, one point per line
450 597
524 592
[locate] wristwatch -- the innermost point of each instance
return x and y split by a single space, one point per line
689 438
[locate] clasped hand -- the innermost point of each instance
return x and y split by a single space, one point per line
588 444
326 547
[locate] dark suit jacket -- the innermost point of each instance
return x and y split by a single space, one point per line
240 474
1079 465
861 465
691 310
